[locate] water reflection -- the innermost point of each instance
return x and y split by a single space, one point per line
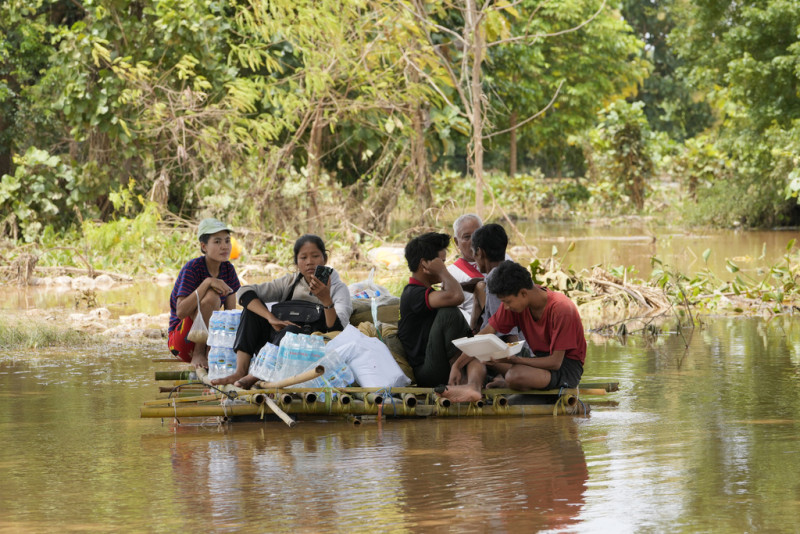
400 474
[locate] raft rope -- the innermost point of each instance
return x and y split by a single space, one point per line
228 394
562 401
386 392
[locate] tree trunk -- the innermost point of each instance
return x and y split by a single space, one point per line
314 152
420 161
512 148
475 36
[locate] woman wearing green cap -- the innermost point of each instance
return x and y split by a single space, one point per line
210 280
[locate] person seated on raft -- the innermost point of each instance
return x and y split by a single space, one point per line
552 327
430 320
489 244
213 279
258 325
465 269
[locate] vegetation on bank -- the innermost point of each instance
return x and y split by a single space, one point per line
35 334
342 116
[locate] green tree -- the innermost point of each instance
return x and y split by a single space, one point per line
586 69
671 104
746 58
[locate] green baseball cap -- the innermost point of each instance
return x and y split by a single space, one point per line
211 226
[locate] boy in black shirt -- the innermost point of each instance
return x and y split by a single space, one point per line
430 320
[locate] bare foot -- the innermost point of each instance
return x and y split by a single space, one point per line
498 382
246 382
465 393
199 360
230 379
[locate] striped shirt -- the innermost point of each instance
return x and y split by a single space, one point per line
191 276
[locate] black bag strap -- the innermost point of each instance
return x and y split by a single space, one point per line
294 285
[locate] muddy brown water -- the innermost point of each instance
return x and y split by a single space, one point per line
704 437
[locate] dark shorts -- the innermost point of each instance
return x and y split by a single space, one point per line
569 376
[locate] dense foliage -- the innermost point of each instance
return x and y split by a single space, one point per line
336 115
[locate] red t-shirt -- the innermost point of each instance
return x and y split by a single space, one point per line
559 327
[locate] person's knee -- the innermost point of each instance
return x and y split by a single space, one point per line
449 315
210 300
517 378
513 379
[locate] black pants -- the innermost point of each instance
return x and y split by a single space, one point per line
448 325
254 332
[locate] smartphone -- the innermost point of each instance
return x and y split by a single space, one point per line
323 273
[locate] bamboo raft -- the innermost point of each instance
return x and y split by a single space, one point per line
189 397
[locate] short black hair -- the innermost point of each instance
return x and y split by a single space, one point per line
425 247
492 239
310 238
508 279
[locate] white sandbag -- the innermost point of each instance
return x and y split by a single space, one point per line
369 358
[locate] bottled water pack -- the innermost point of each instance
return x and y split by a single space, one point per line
222 327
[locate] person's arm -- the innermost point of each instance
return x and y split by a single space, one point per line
187 305
478 306
463 360
451 293
551 363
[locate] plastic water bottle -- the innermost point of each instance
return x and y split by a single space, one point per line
337 373
212 365
263 365
233 324
229 356
286 356
216 328
317 349
217 363
305 353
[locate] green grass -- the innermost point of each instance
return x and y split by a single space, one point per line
32 335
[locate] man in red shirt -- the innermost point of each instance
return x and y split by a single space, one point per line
551 324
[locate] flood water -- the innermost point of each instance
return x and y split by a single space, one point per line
704 438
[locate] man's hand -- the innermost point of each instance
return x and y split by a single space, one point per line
469 285
434 266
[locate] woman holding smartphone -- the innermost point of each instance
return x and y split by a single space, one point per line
314 283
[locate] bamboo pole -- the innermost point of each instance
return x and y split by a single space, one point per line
409 399
355 408
173 375
185 387
280 413
193 398
370 398
311 374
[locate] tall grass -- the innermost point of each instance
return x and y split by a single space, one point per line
36 334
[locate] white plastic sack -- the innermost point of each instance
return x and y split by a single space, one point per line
369 358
